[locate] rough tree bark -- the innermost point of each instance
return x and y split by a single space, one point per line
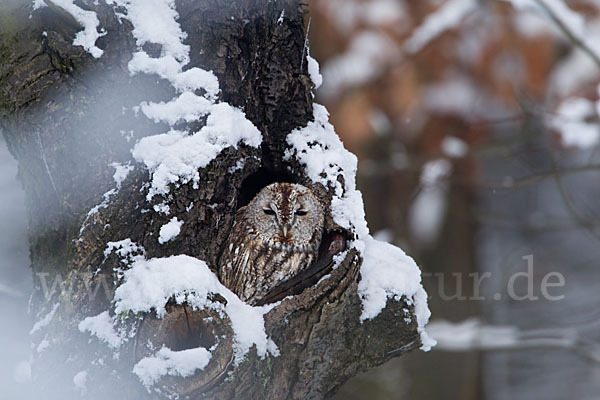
62 111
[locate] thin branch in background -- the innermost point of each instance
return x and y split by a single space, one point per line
577 41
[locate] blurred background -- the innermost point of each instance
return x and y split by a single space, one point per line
476 128
477 132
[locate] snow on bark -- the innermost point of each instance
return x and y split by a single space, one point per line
168 362
175 157
386 272
170 230
101 326
88 19
149 285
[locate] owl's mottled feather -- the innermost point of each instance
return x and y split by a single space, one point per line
274 237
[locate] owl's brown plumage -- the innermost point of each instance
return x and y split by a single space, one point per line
274 237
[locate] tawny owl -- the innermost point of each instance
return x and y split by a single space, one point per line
274 237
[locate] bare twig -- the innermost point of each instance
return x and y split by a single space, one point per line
577 41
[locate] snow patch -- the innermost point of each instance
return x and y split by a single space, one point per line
239 165
368 55
574 22
167 67
576 71
101 326
532 25
43 345
121 172
321 151
175 156
94 210
571 122
448 16
149 285
155 21
37 4
350 14
175 363
387 272
187 107
170 230
454 147
88 19
42 323
125 248
313 71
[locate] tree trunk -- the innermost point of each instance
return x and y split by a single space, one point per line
67 116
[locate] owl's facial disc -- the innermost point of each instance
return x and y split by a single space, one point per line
272 211
288 212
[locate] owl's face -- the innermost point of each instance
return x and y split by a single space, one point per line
287 215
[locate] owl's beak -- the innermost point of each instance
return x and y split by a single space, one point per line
285 228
